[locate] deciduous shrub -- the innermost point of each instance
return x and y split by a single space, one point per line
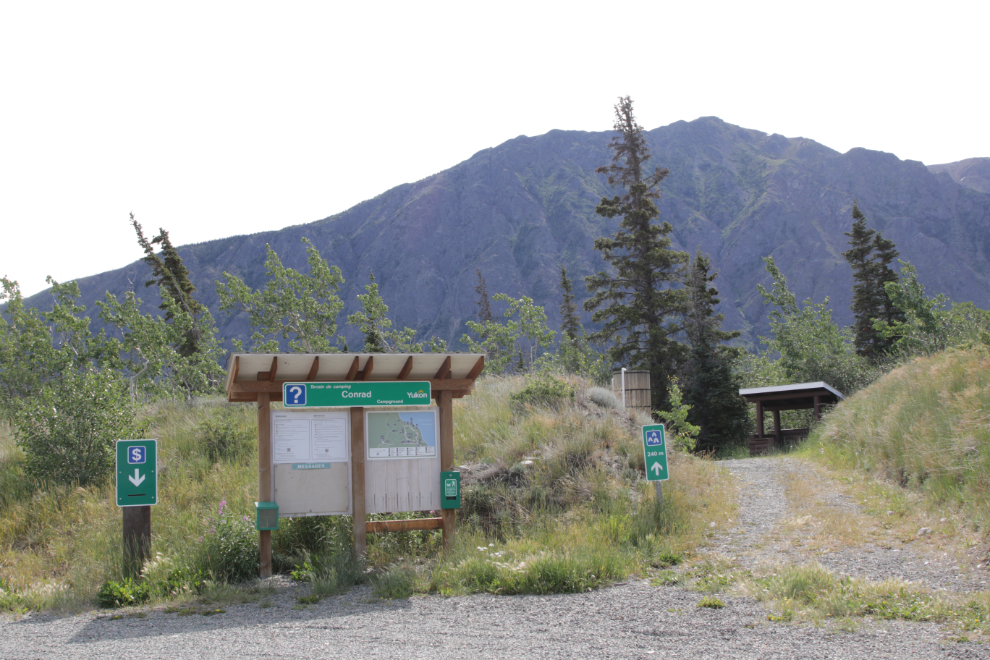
543 390
69 428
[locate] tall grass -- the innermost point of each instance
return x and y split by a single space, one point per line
924 425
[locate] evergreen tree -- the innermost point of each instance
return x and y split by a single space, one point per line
484 304
169 273
870 256
711 386
570 324
635 302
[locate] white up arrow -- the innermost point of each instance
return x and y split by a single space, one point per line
655 467
138 477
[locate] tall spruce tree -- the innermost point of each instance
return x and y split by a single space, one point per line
570 324
870 255
635 301
168 272
709 382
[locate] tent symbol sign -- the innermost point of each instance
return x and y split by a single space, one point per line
655 452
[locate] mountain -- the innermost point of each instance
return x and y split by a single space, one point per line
973 173
519 210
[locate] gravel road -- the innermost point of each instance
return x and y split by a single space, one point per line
630 620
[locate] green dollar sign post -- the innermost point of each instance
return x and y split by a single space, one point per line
137 491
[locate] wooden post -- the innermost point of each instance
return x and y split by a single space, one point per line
658 486
359 517
265 489
776 427
818 408
137 538
446 404
759 419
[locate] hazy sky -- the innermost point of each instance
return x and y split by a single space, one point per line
212 119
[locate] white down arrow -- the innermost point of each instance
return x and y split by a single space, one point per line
137 478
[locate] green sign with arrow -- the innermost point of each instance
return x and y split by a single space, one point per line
137 472
655 452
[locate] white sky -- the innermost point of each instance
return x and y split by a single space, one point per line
212 119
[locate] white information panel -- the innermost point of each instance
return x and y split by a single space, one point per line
301 436
311 462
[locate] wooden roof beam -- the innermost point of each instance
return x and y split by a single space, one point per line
352 372
314 369
406 369
444 370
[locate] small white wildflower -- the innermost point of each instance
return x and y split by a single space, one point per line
712 525
482 548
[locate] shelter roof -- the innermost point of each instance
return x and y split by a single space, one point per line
797 394
249 374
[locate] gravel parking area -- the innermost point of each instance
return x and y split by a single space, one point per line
630 620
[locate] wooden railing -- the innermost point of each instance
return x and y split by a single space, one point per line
762 444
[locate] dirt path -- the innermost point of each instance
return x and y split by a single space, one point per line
789 513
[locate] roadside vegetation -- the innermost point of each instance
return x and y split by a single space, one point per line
554 501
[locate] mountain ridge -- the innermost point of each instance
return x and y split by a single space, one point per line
520 210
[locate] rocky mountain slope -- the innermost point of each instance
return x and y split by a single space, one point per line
973 172
520 210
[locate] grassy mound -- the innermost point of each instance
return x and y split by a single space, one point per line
925 425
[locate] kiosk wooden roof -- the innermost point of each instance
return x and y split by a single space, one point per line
250 374
797 396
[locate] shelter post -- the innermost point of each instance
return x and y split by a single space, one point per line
265 493
776 427
818 408
759 419
445 401
358 503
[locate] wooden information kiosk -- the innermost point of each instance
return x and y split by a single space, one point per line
309 485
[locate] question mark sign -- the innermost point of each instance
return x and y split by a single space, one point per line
296 392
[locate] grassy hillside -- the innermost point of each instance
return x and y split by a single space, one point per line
554 500
925 425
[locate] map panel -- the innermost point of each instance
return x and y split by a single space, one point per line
410 434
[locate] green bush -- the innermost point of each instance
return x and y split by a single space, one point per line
223 437
69 428
123 593
543 390
228 552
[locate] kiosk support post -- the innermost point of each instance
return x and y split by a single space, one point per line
265 493
445 401
357 482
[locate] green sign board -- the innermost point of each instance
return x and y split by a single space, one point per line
450 487
655 452
356 393
137 472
